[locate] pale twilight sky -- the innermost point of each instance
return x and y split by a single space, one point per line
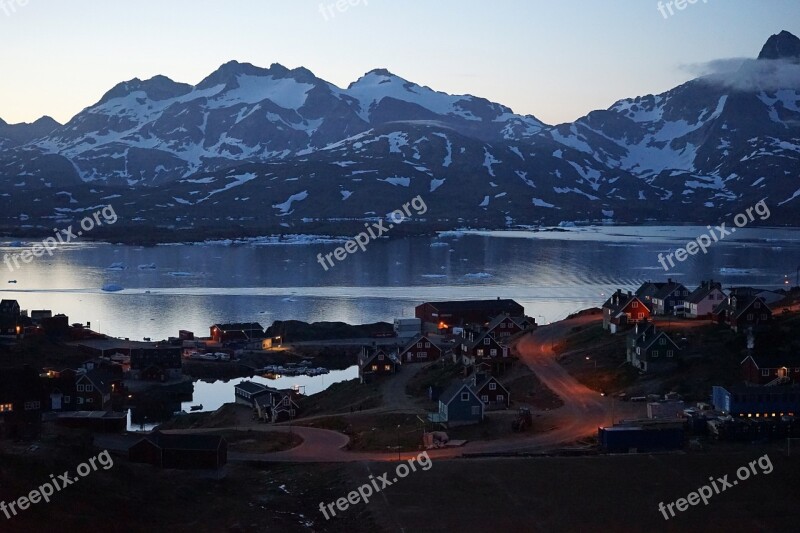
555 59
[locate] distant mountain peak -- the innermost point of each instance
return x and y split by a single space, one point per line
157 88
783 45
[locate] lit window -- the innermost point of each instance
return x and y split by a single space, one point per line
388 368
480 353
6 407
374 368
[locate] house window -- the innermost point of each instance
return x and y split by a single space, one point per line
67 399
80 400
419 345
486 341
501 398
6 407
765 373
427 345
485 398
380 357
670 353
464 396
374 368
286 401
89 400
640 316
89 388
662 342
635 305
388 368
757 306
480 353
763 317
492 386
750 317
493 352
422 355
30 406
80 388
655 354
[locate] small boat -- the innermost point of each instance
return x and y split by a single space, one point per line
196 407
12 281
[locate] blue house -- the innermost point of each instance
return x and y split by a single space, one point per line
458 405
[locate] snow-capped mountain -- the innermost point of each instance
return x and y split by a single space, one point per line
278 148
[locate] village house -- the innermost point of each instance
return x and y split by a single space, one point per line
183 452
156 364
651 350
771 369
623 309
21 397
647 291
269 404
375 362
442 317
60 390
491 392
11 322
93 389
504 326
474 349
458 405
703 300
742 313
669 299
420 350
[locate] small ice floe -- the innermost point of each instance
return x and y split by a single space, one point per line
111 287
180 274
434 276
116 266
151 266
439 244
478 275
288 299
283 488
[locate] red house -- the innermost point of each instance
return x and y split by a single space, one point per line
420 350
623 309
224 333
772 369
376 362
505 326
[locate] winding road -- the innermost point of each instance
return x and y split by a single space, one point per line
584 410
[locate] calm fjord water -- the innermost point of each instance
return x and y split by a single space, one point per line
552 274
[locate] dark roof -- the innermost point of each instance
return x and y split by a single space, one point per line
496 321
369 352
250 326
454 389
417 339
100 378
482 383
668 289
188 442
776 360
743 303
8 306
649 288
702 292
251 387
647 342
622 300
489 306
